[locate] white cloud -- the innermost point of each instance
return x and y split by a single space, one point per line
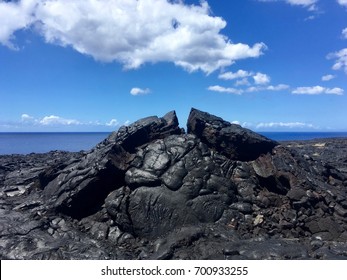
237 75
328 77
112 122
304 3
15 16
56 120
278 87
56 123
342 2
310 4
341 60
280 126
27 118
242 82
48 120
244 124
289 125
336 90
132 32
261 79
139 91
316 90
249 89
225 89
254 89
344 33
309 90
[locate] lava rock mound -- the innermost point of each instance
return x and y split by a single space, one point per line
152 191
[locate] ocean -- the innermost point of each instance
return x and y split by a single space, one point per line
41 142
26 143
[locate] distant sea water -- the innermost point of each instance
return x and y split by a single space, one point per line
26 143
292 136
42 142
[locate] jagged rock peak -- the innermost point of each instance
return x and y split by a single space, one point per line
229 139
146 130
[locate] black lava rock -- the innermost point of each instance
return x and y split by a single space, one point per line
231 140
151 191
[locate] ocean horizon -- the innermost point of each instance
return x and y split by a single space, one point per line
43 142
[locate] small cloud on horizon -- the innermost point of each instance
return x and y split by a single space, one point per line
56 120
112 122
277 126
288 125
57 123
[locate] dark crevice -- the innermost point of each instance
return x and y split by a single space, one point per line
90 199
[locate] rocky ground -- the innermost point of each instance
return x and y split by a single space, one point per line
153 191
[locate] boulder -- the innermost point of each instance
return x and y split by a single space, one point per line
80 188
146 130
181 188
231 140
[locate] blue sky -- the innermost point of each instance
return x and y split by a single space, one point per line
269 65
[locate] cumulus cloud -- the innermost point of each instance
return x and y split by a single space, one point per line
261 79
341 60
316 90
27 118
342 2
237 75
225 89
335 90
15 16
242 82
56 120
242 76
139 91
132 32
328 77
